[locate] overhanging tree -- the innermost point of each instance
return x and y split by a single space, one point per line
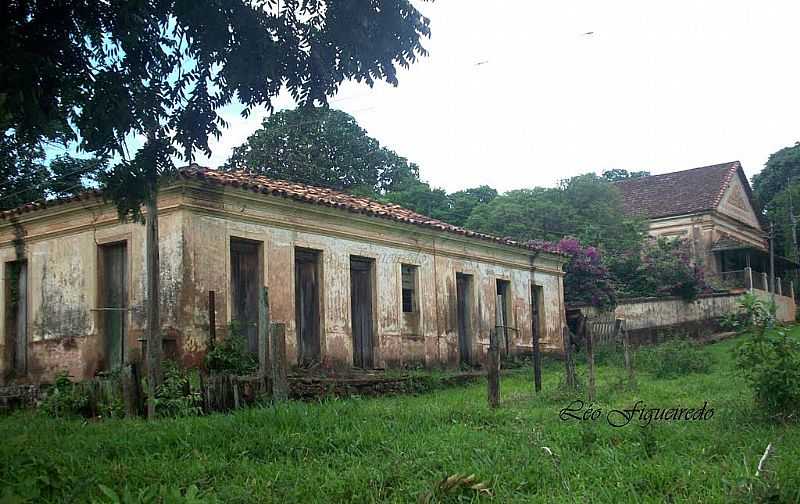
104 73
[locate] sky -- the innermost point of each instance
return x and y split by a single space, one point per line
525 93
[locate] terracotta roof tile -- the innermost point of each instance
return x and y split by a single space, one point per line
677 193
332 198
307 194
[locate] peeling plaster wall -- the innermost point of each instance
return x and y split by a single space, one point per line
61 249
196 224
281 226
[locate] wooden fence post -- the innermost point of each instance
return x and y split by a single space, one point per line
537 361
280 384
626 344
212 320
748 278
494 369
589 338
568 364
263 332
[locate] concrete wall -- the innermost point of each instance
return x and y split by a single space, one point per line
195 229
648 319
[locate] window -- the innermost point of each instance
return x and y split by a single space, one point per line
409 285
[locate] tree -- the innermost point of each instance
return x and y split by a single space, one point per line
776 189
620 174
325 147
102 73
27 176
780 168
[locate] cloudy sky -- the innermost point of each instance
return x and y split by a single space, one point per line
518 94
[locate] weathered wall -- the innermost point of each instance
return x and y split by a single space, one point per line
195 227
61 250
648 318
426 338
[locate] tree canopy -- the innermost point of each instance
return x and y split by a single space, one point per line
620 174
102 73
322 146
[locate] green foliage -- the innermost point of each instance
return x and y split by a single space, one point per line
321 146
65 398
394 449
674 358
751 312
99 73
175 396
769 359
155 494
230 355
619 174
26 175
661 268
772 187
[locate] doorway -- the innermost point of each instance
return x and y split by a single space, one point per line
361 273
307 303
245 281
463 297
114 302
502 315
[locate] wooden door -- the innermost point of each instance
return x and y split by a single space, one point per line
463 291
361 312
245 280
306 295
114 302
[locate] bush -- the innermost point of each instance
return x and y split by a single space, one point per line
231 355
65 398
769 359
676 357
175 397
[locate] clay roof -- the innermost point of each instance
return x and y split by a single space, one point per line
303 193
678 193
336 199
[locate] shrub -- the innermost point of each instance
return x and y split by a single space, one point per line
65 398
175 397
769 359
676 357
230 355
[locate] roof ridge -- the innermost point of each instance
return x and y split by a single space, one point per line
716 165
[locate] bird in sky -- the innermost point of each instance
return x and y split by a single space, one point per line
589 33
481 62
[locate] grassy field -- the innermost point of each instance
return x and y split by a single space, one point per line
396 449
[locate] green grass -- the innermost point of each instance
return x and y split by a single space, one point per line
394 449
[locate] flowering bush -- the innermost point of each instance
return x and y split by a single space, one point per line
667 269
587 280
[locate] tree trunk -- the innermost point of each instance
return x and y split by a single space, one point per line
154 341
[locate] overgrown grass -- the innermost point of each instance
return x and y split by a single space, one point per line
396 449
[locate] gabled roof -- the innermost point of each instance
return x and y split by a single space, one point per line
678 193
306 194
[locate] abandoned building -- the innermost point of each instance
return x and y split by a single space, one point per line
713 208
356 282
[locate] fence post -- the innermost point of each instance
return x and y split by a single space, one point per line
626 345
212 320
263 332
537 360
589 338
493 363
280 384
765 279
569 367
748 278
791 289
778 289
